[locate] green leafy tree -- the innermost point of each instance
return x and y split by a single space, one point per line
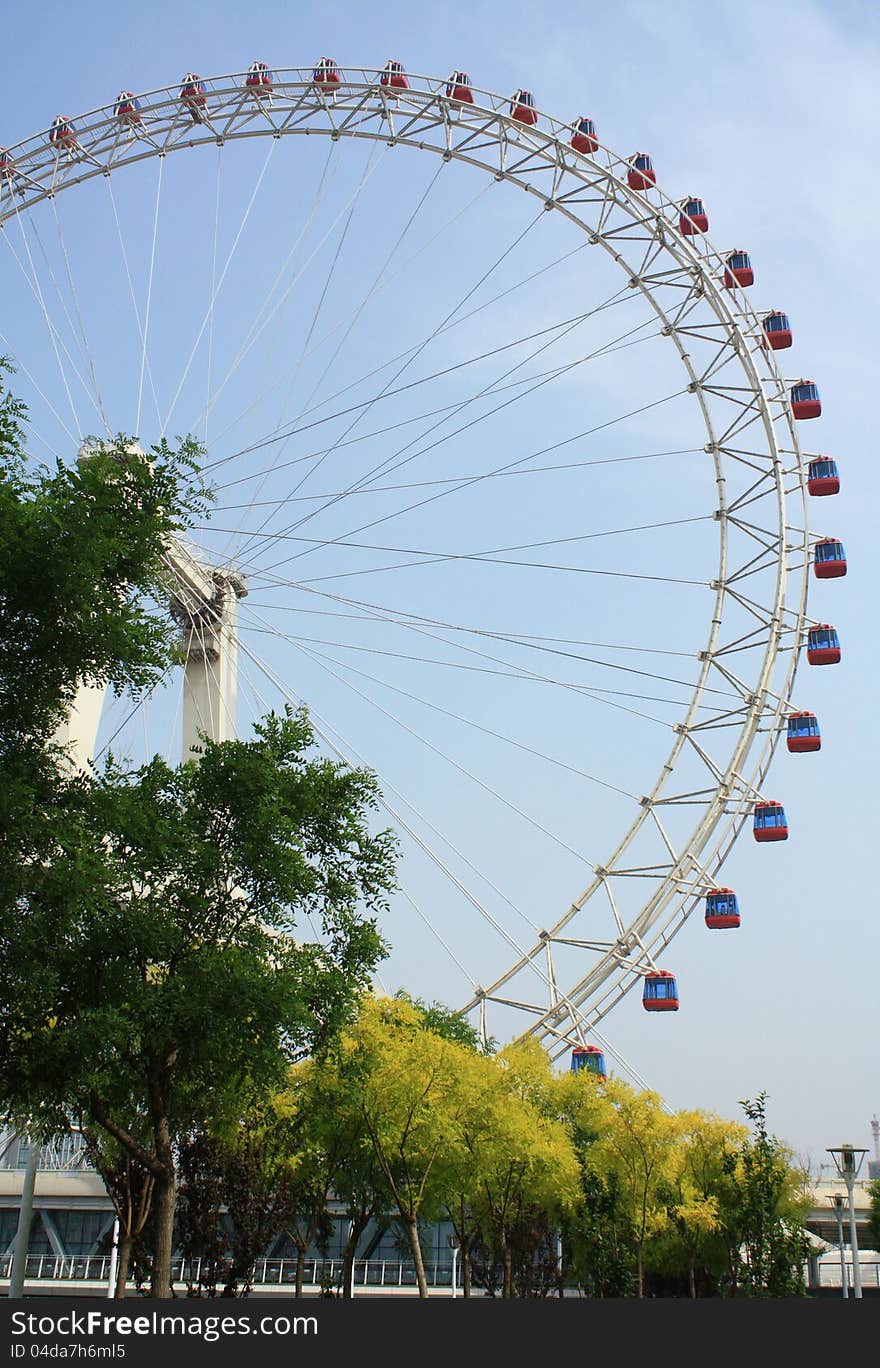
149 981
524 1169
764 1213
150 975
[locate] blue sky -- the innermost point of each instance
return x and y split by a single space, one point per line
770 114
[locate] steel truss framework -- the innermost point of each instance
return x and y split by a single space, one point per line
751 439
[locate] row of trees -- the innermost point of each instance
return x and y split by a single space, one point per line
547 1179
230 1077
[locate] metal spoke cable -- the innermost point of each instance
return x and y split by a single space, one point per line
213 285
344 754
593 691
446 712
50 406
426 342
595 694
323 661
515 672
493 634
495 387
54 338
472 313
133 298
619 297
316 315
434 483
385 468
246 348
356 315
215 292
77 337
149 300
256 322
87 351
337 326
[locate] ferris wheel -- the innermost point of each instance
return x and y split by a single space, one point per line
509 491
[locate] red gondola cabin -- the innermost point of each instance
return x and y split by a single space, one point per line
522 107
693 218
805 401
62 134
259 78
829 559
459 88
326 72
777 330
590 1058
660 993
127 109
738 270
770 822
823 645
641 174
722 909
7 165
393 76
823 477
584 139
192 94
803 733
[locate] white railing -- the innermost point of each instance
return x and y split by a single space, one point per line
317 1273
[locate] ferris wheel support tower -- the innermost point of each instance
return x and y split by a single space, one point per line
203 601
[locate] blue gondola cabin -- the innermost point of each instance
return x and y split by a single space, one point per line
823 645
770 822
590 1058
722 909
829 559
777 330
660 993
803 734
823 477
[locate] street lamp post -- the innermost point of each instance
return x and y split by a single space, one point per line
848 1160
453 1245
837 1202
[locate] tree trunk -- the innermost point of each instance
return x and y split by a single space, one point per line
358 1226
693 1279
466 1268
415 1244
300 1270
126 1240
507 1288
640 1272
165 1195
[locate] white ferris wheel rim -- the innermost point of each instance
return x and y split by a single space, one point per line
540 160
